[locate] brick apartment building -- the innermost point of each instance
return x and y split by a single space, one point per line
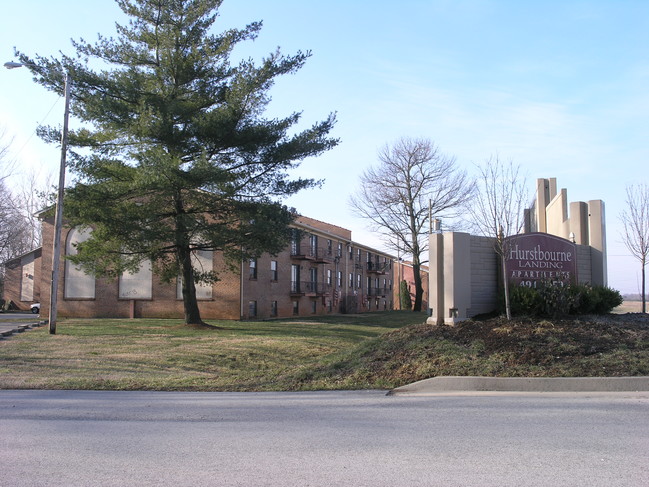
322 271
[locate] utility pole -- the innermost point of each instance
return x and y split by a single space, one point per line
58 219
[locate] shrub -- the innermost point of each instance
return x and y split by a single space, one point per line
552 300
524 300
406 302
556 299
606 299
584 299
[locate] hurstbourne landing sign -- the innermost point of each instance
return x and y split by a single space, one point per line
534 257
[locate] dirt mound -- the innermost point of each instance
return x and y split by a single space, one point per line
549 342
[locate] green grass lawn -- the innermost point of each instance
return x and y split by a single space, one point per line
148 354
365 351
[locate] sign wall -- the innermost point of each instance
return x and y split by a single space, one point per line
533 258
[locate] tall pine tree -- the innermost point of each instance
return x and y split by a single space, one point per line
175 155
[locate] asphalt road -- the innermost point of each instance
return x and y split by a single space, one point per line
80 438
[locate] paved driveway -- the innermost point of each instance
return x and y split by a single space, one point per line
15 322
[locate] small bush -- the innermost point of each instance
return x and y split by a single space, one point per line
524 300
556 299
606 299
406 302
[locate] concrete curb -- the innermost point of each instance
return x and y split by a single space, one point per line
438 385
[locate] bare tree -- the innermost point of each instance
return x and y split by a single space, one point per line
15 235
498 209
29 199
6 164
20 230
635 219
413 181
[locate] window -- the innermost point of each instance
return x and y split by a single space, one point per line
253 269
273 308
329 247
339 279
314 307
313 245
313 281
295 278
78 284
351 252
202 261
273 270
295 241
340 250
351 280
329 277
27 279
358 255
359 281
296 308
252 309
137 285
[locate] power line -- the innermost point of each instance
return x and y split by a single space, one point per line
39 123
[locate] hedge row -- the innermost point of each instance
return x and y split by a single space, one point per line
551 299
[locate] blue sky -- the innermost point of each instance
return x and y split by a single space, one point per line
560 87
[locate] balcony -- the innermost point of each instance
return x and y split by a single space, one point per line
377 268
316 255
377 292
308 288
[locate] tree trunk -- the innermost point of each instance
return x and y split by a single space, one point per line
190 303
644 299
184 253
419 289
416 270
508 310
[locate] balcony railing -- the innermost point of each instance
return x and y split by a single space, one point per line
377 267
313 254
378 291
309 288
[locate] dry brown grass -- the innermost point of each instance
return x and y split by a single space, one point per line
160 355
629 307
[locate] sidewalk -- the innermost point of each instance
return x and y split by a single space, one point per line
438 385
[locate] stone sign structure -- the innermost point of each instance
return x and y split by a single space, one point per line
561 241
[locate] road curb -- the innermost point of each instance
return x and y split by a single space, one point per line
438 385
